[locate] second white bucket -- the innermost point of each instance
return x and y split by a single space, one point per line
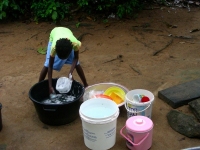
135 108
99 121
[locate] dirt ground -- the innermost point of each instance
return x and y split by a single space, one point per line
158 51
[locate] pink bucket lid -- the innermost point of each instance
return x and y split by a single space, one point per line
139 124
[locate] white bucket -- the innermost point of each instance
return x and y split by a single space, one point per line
99 121
135 108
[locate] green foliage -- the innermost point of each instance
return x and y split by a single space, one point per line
9 8
42 50
49 10
128 8
82 3
105 21
95 5
56 10
3 6
78 24
162 2
119 7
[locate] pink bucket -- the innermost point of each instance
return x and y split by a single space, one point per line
139 131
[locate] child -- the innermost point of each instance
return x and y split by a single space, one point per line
63 48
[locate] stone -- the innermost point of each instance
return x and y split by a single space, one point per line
184 124
181 94
195 108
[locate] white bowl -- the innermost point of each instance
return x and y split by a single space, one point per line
100 88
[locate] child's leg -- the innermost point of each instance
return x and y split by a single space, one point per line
44 70
81 75
43 73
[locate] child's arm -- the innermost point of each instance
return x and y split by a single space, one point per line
50 70
74 63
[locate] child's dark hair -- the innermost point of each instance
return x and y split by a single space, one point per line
63 48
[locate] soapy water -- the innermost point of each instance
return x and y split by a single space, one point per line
59 99
93 112
62 98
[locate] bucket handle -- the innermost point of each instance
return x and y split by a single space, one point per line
136 111
121 132
49 109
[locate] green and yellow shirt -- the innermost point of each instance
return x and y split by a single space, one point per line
62 32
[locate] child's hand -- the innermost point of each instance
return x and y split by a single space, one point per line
70 76
51 90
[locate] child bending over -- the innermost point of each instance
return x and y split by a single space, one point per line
63 48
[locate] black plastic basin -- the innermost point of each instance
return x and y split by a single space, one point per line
56 114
